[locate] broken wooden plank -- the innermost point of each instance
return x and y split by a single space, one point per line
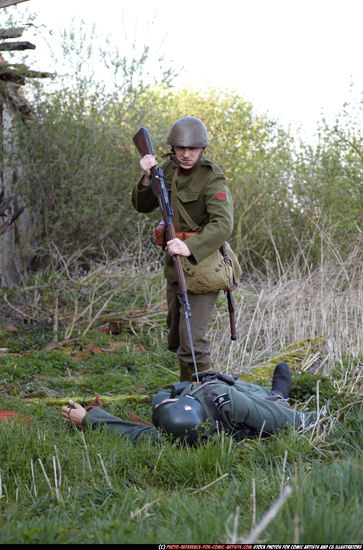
14 32
12 46
18 73
6 3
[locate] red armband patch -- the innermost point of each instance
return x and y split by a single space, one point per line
221 195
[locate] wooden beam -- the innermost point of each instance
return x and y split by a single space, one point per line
10 46
6 3
18 73
14 32
11 75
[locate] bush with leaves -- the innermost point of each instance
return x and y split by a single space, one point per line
82 164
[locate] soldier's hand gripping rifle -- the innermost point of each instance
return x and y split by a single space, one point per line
143 144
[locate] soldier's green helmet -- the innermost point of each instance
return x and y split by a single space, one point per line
188 132
182 419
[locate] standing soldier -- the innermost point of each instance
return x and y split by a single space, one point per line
203 214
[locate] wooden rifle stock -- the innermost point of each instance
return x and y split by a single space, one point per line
142 142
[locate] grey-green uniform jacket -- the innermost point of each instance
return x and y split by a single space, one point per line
205 196
242 404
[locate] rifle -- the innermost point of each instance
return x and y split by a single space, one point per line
230 297
143 144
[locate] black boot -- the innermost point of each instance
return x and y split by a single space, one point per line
281 380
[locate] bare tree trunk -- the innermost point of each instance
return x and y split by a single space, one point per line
16 244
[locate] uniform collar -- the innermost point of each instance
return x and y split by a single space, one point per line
187 171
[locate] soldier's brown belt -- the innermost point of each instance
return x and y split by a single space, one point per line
160 234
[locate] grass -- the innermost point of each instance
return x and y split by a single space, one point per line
62 485
153 493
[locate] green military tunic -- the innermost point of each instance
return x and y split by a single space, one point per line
244 404
204 194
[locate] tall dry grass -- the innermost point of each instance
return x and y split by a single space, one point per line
273 312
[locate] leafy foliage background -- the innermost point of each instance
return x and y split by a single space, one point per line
81 163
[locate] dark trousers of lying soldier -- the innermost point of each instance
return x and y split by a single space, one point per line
192 412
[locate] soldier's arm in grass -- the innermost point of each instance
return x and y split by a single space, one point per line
101 419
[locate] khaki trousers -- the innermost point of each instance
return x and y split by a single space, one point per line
201 306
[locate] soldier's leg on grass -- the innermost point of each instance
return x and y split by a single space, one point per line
173 319
246 403
260 413
201 306
173 316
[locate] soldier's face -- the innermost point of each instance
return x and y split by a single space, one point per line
187 156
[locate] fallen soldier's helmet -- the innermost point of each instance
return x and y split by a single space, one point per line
183 418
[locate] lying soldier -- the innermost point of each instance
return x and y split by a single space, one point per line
195 411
